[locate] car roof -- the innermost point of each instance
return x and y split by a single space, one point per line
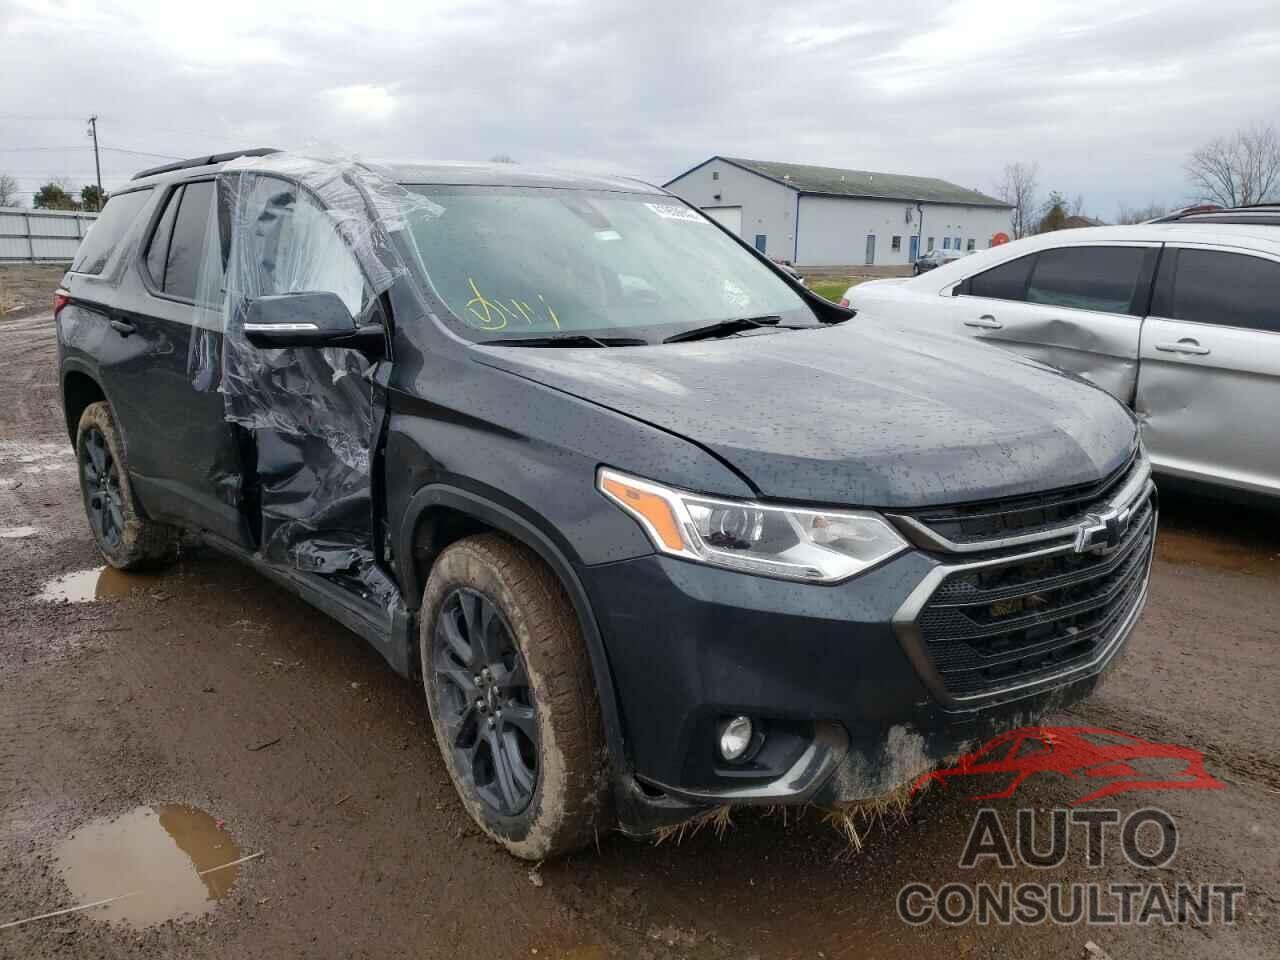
1257 237
509 175
1260 236
412 174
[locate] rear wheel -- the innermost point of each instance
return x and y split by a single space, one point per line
125 538
511 696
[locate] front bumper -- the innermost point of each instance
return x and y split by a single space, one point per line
838 675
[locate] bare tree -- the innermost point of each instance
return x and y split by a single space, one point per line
8 191
502 158
1077 206
1236 170
1018 189
1151 211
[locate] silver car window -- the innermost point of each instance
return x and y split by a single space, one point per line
1213 286
1102 279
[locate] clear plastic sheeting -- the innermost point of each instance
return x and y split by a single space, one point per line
308 416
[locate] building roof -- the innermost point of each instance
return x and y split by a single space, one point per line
1073 222
839 182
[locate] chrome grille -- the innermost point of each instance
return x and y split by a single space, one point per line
1015 622
1029 604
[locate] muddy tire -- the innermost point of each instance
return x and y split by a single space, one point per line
512 700
126 539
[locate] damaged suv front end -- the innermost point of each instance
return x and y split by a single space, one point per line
987 617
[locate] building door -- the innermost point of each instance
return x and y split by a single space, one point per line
915 250
871 248
728 217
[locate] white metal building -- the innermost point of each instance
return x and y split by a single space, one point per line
826 216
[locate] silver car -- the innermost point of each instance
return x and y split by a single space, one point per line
1179 320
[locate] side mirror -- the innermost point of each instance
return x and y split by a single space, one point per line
318 319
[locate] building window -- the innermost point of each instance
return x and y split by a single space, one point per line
971 244
896 244
946 243
715 174
929 248
955 243
760 242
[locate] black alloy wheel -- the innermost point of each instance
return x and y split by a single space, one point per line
103 497
482 687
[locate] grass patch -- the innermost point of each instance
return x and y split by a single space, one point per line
833 288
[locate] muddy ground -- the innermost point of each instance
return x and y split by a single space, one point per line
160 691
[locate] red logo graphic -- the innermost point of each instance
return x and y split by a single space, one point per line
1076 752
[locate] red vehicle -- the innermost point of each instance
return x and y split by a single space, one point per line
1075 752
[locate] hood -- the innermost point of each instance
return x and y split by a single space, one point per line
854 416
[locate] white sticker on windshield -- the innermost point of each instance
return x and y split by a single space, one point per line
674 211
734 294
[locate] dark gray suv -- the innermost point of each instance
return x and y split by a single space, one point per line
659 530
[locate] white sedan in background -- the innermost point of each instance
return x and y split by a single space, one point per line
1180 321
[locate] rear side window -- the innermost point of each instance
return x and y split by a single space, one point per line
104 236
158 249
1087 278
1231 289
187 243
1005 282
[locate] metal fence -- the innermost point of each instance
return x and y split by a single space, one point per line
41 236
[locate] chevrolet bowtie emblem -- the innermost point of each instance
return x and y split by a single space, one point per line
1102 532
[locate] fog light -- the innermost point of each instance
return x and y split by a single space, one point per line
735 738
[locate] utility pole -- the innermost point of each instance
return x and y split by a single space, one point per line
97 166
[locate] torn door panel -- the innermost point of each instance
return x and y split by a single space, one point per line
308 416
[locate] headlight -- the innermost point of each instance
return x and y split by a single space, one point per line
794 543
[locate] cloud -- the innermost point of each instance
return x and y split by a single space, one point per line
1108 99
364 101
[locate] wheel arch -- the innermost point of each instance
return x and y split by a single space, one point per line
442 514
80 387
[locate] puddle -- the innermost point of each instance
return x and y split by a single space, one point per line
163 857
17 533
100 583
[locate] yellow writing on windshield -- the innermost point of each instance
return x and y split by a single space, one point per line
489 314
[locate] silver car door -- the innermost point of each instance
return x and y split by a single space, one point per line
1209 383
1077 307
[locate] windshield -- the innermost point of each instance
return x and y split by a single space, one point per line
515 262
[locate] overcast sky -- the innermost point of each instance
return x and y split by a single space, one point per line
1108 98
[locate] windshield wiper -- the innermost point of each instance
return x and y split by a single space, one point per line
566 340
723 328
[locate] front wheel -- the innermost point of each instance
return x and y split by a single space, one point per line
511 696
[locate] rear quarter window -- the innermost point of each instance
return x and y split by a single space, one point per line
120 213
1005 282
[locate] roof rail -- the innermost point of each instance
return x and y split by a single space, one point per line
203 161
1178 214
1255 214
